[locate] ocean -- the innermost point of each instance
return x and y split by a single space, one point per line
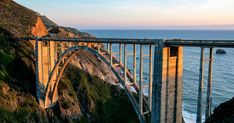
223 67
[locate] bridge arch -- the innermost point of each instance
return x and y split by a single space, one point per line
51 89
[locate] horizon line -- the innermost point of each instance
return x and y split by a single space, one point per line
208 29
185 27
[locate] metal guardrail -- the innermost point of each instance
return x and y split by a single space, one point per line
167 42
201 43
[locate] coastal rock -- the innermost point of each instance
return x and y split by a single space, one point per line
224 113
39 29
90 64
221 51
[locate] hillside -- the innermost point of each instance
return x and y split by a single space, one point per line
60 31
16 19
48 23
82 97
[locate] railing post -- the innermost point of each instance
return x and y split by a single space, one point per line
125 63
107 46
209 85
150 77
42 62
62 50
157 83
134 64
111 61
48 58
56 54
200 87
62 47
141 81
120 54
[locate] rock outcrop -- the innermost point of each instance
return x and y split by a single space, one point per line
39 29
221 51
224 113
95 67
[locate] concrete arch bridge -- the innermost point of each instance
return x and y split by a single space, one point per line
163 100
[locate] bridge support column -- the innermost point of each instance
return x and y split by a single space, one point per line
150 76
120 54
200 87
141 83
134 63
44 52
167 85
125 63
209 85
111 61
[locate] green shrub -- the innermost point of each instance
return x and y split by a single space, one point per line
107 103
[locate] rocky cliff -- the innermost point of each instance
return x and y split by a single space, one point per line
84 96
224 113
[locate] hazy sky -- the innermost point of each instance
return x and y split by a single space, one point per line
144 14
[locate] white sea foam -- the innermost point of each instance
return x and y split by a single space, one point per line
190 117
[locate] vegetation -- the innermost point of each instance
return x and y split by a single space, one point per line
104 102
17 103
16 63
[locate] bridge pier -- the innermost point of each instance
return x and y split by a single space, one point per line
209 85
45 61
167 84
200 87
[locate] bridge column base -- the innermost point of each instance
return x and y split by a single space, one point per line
46 56
167 85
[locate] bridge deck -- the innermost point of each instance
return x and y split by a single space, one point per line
171 42
201 43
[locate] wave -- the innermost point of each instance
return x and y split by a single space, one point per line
191 117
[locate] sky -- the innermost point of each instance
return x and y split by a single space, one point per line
137 14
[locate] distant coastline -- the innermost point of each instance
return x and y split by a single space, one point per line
197 27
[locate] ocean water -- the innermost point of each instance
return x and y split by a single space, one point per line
223 66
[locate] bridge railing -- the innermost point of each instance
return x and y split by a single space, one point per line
129 80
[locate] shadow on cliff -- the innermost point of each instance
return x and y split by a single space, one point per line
17 67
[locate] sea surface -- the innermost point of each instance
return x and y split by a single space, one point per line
223 67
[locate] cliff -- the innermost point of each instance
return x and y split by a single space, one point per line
224 113
84 96
16 19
